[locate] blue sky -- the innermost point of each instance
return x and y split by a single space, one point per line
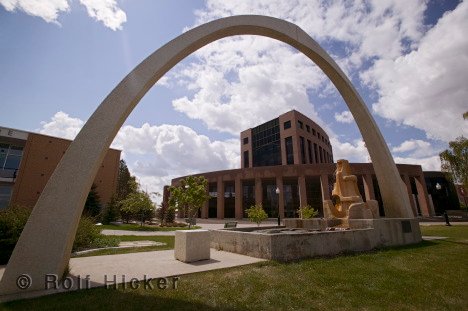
408 59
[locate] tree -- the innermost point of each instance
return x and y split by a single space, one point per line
92 206
256 214
306 212
126 213
169 216
137 205
189 196
126 183
161 213
165 214
111 211
454 161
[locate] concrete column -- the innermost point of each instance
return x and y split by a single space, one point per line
279 184
238 197
302 190
423 198
220 199
407 182
368 187
258 191
324 184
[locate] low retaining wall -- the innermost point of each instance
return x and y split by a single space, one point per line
364 235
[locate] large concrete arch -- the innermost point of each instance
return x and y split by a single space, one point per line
45 244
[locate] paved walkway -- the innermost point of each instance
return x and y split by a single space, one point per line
442 223
208 224
432 238
213 224
120 268
140 233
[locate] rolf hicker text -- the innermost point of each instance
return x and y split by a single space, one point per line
52 281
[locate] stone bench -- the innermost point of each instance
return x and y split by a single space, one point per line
191 221
230 224
192 245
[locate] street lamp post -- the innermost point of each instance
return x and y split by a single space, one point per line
279 216
187 210
447 222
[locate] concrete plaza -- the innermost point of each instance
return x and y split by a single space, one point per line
116 269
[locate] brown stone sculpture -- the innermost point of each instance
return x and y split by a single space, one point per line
346 200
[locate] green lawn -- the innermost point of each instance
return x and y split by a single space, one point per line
137 227
455 231
169 240
430 276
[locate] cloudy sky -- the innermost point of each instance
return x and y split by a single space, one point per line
408 59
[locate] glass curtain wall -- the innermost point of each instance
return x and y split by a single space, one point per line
289 150
266 146
291 197
10 159
5 195
229 200
248 195
212 202
314 193
270 198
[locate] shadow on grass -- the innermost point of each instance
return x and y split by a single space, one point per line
110 299
421 245
465 242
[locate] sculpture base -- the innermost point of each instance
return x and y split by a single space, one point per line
304 238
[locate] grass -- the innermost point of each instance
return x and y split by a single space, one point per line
137 227
455 232
169 240
429 276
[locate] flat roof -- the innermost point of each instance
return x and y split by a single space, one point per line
12 133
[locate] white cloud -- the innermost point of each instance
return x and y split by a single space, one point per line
344 117
427 163
239 82
61 125
157 154
417 148
418 74
48 10
105 11
244 81
176 149
372 28
355 151
418 152
427 87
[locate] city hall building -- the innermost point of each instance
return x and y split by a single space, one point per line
27 160
288 162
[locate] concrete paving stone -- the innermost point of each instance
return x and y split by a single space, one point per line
431 238
122 268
